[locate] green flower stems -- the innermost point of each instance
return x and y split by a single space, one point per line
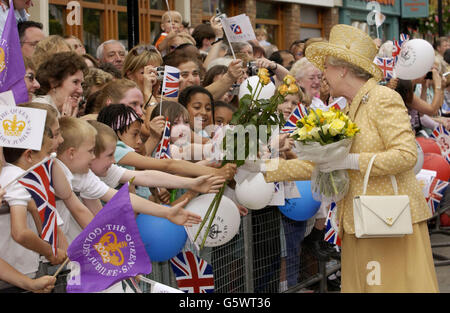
212 207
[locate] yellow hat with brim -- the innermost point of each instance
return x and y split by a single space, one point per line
347 43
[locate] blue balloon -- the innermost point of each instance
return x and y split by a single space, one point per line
162 239
301 209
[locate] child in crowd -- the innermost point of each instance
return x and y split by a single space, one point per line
103 166
76 155
19 219
123 122
171 25
223 113
181 146
199 103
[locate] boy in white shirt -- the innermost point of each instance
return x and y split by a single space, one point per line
20 243
103 166
76 155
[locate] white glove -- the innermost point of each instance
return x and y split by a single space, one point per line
350 162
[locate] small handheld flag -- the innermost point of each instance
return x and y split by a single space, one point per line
192 273
436 193
39 184
332 226
171 82
162 151
387 66
442 137
291 124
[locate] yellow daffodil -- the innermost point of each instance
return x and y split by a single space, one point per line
351 129
289 80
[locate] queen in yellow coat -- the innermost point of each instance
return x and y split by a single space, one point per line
400 264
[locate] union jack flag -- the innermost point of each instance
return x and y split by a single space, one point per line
398 45
297 114
403 38
387 66
437 190
236 29
332 227
193 274
338 103
162 151
442 137
171 82
39 184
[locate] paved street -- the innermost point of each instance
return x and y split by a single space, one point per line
442 272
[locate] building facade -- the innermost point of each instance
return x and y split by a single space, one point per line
357 13
100 20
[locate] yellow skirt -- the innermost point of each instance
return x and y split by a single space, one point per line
400 264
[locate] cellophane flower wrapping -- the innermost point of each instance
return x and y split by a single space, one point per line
323 137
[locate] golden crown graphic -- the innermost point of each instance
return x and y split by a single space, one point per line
14 127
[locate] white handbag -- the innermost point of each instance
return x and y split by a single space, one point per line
381 216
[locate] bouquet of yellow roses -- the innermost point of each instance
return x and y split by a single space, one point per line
322 137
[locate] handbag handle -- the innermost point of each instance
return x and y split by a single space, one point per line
366 177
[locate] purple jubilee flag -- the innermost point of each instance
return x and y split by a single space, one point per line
109 249
12 68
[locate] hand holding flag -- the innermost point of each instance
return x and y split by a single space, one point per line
109 249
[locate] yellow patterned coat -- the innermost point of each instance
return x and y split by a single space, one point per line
385 127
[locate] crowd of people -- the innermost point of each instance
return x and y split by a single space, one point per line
106 117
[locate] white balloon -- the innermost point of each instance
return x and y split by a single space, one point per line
415 59
266 92
224 226
419 162
253 192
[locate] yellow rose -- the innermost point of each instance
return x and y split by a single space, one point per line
336 127
329 116
264 80
263 72
283 89
289 80
293 89
315 133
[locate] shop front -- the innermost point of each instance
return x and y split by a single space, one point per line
358 13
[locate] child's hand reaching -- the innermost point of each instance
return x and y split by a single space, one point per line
178 215
164 195
207 184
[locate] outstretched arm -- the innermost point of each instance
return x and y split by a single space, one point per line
176 214
177 167
151 178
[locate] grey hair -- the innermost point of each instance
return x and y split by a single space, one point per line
99 52
357 71
238 47
298 69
